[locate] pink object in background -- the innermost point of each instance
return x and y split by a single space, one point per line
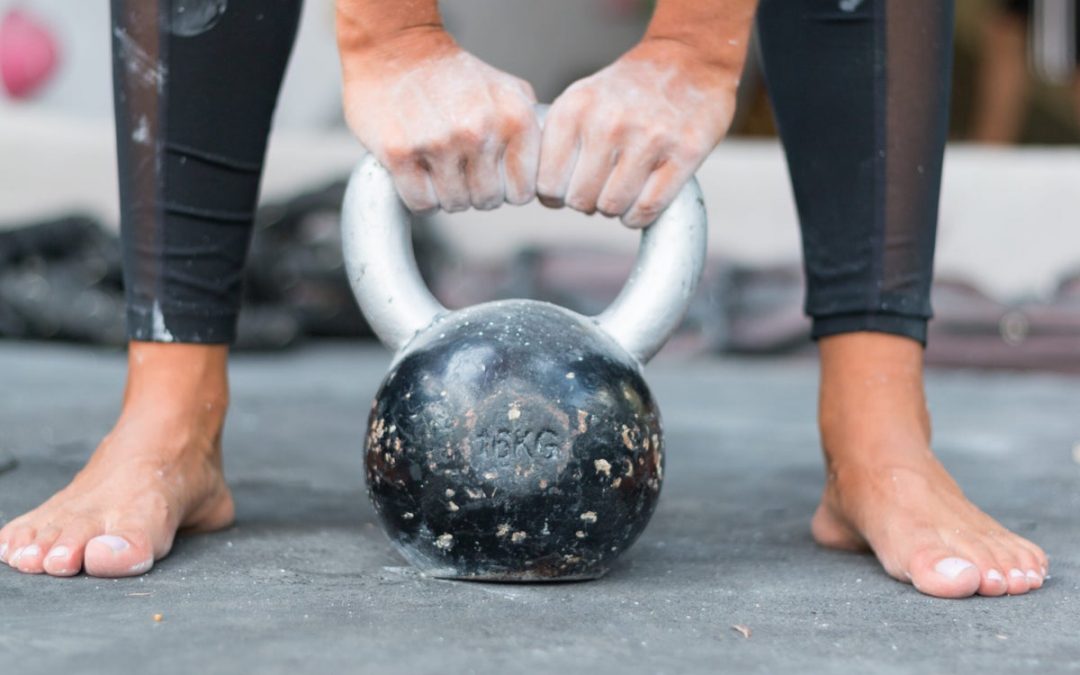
28 54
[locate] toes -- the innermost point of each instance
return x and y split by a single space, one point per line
1022 568
1042 562
1010 562
1018 581
31 556
61 561
28 559
992 580
118 554
1031 567
65 557
939 572
993 583
21 538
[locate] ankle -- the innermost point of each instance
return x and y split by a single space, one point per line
179 381
871 392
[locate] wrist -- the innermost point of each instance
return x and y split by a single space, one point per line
688 56
715 33
400 47
366 26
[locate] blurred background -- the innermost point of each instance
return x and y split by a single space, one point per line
1008 265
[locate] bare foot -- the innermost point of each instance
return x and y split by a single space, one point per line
158 471
886 492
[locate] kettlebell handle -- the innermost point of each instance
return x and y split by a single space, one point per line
381 265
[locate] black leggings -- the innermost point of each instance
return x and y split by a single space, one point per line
860 89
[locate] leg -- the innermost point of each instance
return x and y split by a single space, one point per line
191 136
863 119
1002 91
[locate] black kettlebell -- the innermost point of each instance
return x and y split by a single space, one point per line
514 440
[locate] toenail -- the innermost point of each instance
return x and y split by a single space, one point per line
15 557
1017 574
952 567
117 544
58 552
142 567
1032 575
994 575
30 551
3 551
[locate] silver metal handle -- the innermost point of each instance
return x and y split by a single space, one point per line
382 268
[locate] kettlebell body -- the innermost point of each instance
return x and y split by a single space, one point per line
514 441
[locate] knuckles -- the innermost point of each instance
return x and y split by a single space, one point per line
469 138
396 155
517 121
611 207
476 135
643 214
581 203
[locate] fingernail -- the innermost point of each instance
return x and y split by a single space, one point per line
994 575
952 567
1017 574
117 544
58 552
1033 576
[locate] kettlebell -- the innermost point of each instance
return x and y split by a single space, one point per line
514 440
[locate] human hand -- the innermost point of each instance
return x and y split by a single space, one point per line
625 140
451 130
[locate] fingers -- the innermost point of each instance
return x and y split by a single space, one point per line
624 140
477 162
559 150
520 163
453 132
508 172
597 158
618 163
484 177
641 185
625 183
448 176
412 179
660 190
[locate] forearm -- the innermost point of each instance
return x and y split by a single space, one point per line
718 30
363 24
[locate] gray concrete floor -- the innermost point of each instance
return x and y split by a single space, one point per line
305 582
